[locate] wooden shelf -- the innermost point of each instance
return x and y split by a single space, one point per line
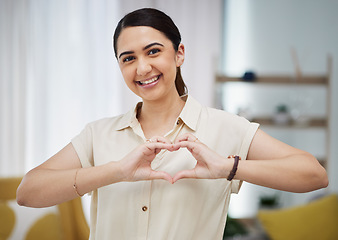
322 80
314 122
312 79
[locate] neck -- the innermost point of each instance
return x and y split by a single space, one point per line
157 117
167 107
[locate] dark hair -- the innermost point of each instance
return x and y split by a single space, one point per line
158 20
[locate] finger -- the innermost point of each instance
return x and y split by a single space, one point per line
160 175
155 147
158 139
190 173
186 144
174 147
186 137
161 140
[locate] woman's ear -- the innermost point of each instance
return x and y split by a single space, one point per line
180 55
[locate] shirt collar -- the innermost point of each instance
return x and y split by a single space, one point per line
129 119
190 115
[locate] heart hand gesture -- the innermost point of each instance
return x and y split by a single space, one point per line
136 165
209 164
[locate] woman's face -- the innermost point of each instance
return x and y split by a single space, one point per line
148 62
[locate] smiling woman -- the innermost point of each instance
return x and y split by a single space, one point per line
199 152
145 48
163 24
149 62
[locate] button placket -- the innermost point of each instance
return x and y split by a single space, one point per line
144 210
157 160
161 155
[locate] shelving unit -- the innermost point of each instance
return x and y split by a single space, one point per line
276 82
320 79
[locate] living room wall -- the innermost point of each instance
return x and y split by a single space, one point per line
263 36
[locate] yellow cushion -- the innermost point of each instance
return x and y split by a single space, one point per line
316 220
47 227
8 188
28 221
7 221
65 221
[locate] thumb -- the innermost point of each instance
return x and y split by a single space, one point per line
161 175
190 173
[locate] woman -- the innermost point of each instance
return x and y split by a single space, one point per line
166 169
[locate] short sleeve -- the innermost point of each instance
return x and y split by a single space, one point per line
83 145
250 133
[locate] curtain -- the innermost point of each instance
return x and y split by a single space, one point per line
58 70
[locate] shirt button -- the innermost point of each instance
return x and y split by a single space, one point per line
144 208
178 122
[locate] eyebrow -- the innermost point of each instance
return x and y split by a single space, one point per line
145 48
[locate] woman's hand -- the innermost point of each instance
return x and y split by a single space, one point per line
136 165
209 164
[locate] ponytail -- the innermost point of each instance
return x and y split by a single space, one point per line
179 83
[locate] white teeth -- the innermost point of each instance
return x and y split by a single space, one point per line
149 81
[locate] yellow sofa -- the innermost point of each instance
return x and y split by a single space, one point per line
62 222
317 220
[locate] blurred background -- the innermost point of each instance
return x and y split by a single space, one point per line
272 61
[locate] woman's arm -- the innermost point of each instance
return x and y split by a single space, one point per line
272 163
52 182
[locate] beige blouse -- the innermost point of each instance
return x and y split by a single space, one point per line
157 210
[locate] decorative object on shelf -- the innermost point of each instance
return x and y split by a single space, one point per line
301 104
269 201
249 76
282 116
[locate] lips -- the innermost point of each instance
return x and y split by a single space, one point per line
148 81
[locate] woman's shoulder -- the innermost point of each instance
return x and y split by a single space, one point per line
214 116
114 122
222 115
206 111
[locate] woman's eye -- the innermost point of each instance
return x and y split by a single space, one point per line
153 51
128 59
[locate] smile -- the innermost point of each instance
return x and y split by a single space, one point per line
148 81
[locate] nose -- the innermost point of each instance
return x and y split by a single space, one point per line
143 67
